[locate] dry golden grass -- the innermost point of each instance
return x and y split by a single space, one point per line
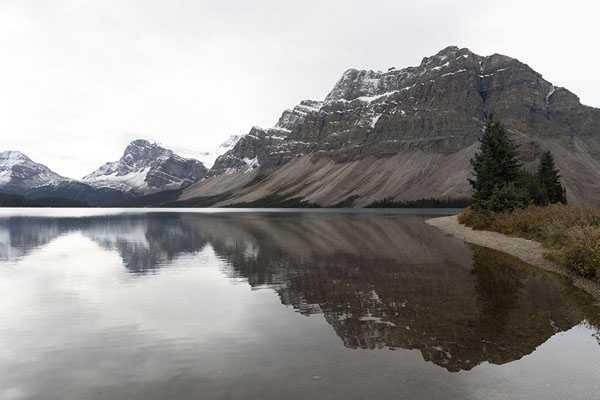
572 234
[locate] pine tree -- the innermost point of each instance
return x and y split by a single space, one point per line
536 192
550 179
495 165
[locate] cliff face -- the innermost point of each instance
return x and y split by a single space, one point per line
409 133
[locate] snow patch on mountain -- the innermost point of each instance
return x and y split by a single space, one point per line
135 180
374 120
252 163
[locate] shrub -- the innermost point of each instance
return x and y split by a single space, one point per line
581 250
474 218
507 197
571 233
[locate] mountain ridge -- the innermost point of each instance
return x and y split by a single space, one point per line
144 168
399 135
409 133
19 171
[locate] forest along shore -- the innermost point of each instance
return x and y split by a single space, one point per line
530 251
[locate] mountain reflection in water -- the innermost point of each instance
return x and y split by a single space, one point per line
380 281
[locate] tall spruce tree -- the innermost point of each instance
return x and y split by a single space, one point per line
549 179
495 165
536 192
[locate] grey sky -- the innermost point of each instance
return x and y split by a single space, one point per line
80 79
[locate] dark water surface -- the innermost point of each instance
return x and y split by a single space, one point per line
98 304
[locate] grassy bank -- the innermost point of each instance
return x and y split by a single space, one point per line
571 234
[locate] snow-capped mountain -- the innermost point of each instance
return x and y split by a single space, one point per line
147 167
19 173
208 158
144 168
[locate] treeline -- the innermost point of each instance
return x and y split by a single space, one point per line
152 200
275 201
448 202
15 200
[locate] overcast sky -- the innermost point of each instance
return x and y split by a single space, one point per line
80 79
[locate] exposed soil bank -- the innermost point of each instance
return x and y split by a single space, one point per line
527 250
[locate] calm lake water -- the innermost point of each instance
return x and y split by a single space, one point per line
122 304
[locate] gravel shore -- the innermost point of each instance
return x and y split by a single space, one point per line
527 250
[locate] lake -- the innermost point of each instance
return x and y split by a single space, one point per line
326 304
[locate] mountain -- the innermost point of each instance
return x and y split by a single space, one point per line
19 173
146 167
408 134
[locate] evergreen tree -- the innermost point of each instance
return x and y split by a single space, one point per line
536 193
495 164
549 178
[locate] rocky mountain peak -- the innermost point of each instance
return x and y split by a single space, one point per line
12 156
355 83
496 61
19 172
147 167
142 151
142 145
445 54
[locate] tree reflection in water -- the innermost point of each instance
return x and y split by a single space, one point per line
498 287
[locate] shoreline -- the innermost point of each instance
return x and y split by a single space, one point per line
529 251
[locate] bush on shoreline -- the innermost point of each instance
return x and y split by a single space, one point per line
572 234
